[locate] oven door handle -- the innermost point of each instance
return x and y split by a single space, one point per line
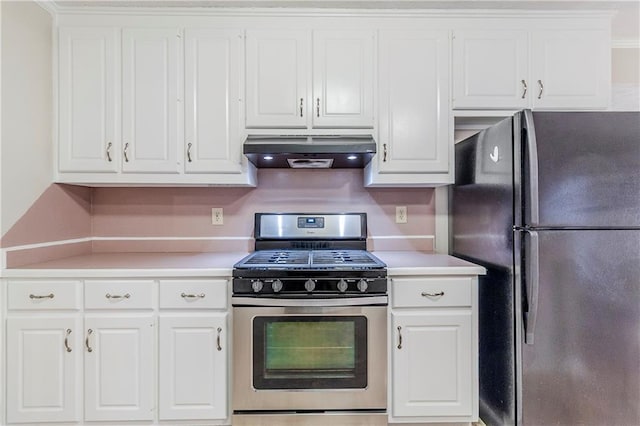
276 302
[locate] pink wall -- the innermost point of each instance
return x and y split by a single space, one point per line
62 212
68 212
186 212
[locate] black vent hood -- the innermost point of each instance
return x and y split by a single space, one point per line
310 152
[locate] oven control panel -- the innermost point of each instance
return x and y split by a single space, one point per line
310 286
311 222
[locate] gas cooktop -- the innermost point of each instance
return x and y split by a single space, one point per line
310 259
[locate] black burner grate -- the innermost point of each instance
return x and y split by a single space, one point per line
279 257
342 257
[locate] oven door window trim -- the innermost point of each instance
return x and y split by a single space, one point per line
270 358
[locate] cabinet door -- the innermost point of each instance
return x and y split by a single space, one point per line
42 369
89 67
490 69
343 78
277 78
119 368
151 81
193 362
213 74
432 363
414 102
571 69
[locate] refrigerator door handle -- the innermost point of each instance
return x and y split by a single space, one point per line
532 154
532 281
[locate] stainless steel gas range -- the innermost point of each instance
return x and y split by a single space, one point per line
310 322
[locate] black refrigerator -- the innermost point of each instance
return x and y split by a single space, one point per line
549 203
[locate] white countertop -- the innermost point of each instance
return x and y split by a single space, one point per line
215 264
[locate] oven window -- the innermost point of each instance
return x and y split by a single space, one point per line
310 352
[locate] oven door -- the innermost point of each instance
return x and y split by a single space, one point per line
312 357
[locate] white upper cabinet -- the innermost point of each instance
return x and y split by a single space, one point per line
151 80
277 78
88 99
490 69
288 86
571 69
343 78
542 69
414 146
213 70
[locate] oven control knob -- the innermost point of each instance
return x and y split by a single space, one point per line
342 286
256 286
276 286
363 285
309 285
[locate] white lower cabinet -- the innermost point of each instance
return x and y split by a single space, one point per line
434 373
193 350
118 368
193 362
43 356
432 366
55 365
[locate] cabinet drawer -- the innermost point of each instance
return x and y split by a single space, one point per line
193 294
431 292
118 294
43 294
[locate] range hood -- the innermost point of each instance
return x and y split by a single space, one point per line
310 152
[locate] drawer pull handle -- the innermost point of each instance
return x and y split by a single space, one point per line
46 296
66 340
425 294
399 337
524 88
117 296
218 339
86 342
192 296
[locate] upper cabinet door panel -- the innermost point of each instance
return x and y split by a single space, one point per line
277 78
571 69
343 78
89 72
151 85
414 103
213 75
490 69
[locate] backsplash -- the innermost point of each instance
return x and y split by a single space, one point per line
186 212
179 218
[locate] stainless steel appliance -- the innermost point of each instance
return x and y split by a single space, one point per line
310 151
549 203
310 321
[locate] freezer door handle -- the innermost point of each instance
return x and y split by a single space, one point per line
532 284
532 154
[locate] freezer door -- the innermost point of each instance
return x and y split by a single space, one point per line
588 169
481 200
584 364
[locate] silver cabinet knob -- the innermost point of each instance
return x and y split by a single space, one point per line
342 286
257 285
276 286
363 286
309 285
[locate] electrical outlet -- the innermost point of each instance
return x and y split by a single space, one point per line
401 214
217 217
